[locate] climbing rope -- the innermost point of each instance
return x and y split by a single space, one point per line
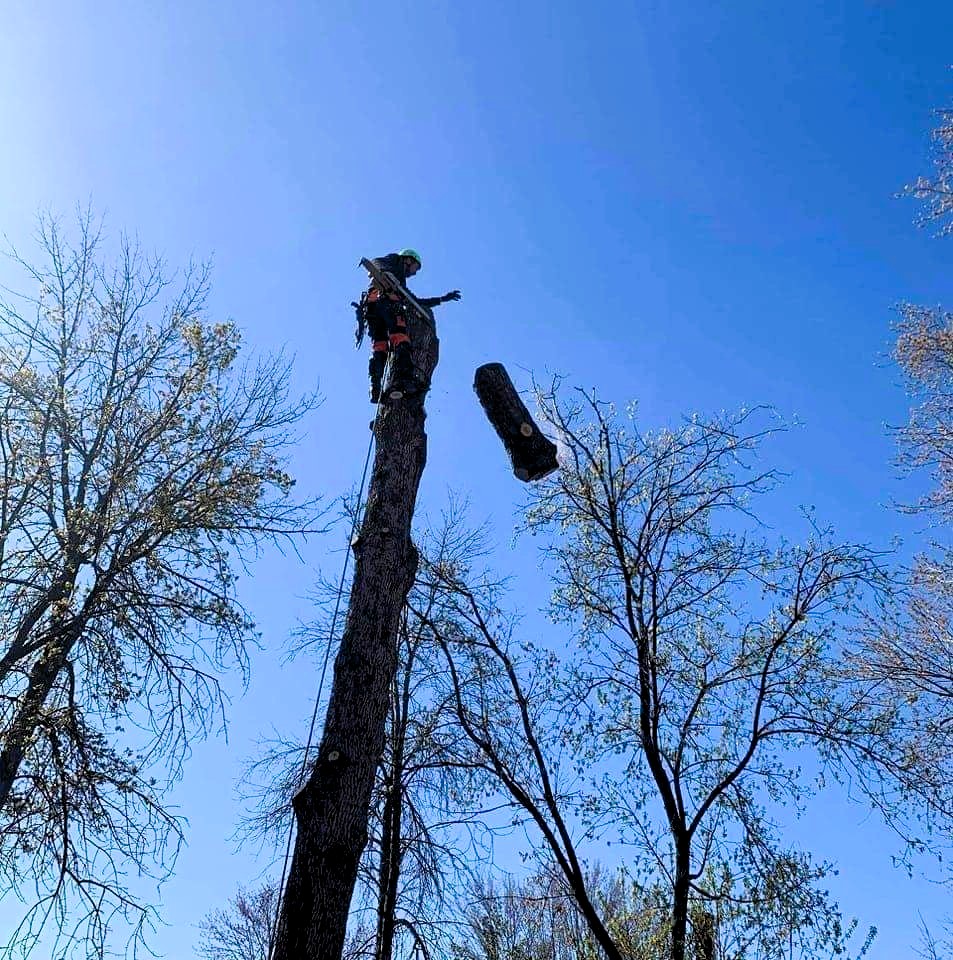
358 515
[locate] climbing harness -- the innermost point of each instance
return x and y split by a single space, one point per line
385 287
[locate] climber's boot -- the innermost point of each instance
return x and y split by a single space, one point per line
375 370
403 380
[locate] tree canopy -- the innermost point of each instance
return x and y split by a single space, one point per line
141 465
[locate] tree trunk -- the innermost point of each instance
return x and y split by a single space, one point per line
43 674
392 822
332 808
680 895
22 729
533 456
390 870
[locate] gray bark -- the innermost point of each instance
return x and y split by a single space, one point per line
332 808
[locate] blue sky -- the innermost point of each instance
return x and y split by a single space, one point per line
689 204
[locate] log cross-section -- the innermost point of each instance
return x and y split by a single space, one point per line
532 455
332 808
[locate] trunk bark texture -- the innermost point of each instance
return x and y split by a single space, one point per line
390 871
533 456
392 821
20 733
682 888
332 808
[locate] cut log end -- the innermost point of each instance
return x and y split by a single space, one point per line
532 455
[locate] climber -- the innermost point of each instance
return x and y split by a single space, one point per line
386 318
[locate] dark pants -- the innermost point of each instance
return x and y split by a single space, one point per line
387 327
386 323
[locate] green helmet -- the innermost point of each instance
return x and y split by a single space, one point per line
409 252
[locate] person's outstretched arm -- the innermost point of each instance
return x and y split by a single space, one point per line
430 302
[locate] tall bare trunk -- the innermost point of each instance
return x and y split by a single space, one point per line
332 809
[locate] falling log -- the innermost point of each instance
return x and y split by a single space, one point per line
533 456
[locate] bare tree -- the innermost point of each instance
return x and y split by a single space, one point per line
707 659
140 467
425 843
916 655
241 930
932 948
936 192
924 352
424 832
913 655
537 918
